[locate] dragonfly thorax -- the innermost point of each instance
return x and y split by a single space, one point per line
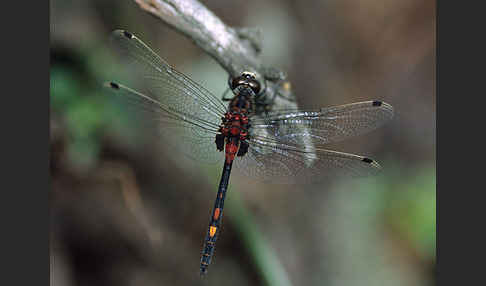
235 123
233 134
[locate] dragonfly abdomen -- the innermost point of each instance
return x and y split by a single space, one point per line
215 221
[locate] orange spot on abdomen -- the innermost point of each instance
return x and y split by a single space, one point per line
217 211
212 231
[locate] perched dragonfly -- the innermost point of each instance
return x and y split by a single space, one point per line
281 146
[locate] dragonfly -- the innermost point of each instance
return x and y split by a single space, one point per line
279 146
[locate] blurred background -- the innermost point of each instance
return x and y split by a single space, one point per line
125 211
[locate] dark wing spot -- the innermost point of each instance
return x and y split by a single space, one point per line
127 34
367 160
377 103
114 85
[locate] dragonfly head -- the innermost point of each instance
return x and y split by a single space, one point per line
248 80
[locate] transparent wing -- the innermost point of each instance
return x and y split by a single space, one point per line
280 163
189 115
286 146
324 126
163 83
184 132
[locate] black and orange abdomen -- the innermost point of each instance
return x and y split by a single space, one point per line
215 221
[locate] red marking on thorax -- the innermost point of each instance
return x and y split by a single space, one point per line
234 128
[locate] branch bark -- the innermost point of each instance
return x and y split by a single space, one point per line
236 50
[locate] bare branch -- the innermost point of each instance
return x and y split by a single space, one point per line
207 31
236 50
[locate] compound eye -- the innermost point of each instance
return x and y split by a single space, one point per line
237 81
255 86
